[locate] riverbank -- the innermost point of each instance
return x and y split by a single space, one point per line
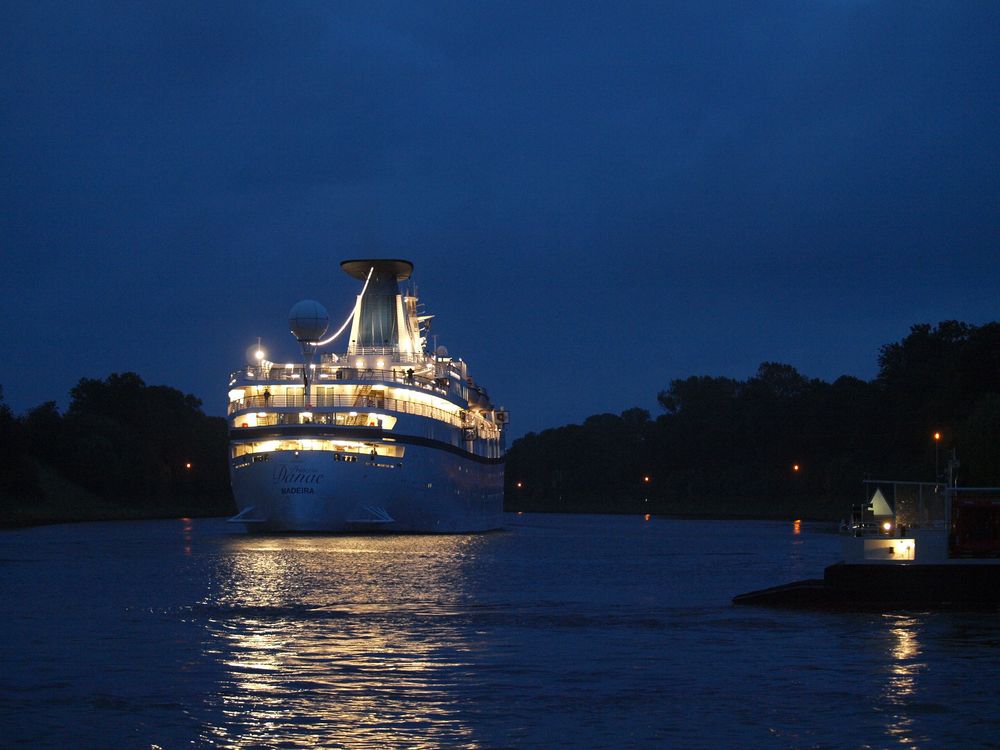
59 500
709 508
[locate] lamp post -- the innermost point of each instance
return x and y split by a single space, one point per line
937 456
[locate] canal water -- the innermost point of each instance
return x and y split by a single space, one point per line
559 632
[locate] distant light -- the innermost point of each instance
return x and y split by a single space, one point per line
520 485
937 436
887 526
187 465
645 479
647 516
795 467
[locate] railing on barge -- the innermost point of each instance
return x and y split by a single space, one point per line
912 504
922 505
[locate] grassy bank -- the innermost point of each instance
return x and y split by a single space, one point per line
58 500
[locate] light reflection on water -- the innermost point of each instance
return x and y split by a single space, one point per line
568 632
903 672
342 639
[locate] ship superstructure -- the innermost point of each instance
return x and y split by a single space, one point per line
380 436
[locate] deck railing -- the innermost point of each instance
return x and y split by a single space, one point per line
324 374
364 402
409 358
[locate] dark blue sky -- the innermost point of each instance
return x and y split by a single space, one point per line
598 198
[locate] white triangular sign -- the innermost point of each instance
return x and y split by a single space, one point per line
880 506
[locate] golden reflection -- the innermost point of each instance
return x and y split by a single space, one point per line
904 669
187 528
341 642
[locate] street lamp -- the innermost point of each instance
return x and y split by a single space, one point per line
937 456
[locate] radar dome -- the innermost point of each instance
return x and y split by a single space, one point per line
308 320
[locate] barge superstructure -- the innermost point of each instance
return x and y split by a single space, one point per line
913 544
381 436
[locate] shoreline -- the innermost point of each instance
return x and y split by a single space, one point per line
25 521
11 523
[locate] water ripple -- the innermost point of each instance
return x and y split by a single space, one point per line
570 632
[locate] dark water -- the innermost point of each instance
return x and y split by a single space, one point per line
563 631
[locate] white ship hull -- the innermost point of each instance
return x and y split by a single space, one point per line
431 491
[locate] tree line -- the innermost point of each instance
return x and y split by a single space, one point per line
779 444
121 449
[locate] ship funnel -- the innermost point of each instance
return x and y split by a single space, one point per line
377 324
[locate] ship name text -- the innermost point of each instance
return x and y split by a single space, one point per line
283 474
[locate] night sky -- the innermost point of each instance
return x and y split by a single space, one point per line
597 198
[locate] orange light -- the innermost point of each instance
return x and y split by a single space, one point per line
645 479
795 467
937 436
887 526
647 516
797 526
187 465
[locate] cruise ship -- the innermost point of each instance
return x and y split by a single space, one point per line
377 436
